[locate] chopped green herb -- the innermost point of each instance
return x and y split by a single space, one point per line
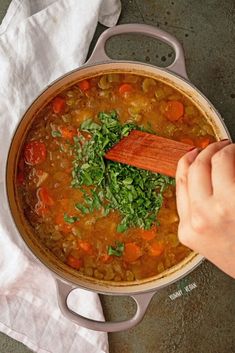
135 193
82 208
56 133
116 251
106 210
70 219
89 125
122 227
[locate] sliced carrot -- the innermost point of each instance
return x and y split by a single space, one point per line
187 140
58 105
202 142
131 252
125 87
148 234
84 85
44 196
156 249
35 152
174 110
74 262
68 132
86 247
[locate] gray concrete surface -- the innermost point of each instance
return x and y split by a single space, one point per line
202 320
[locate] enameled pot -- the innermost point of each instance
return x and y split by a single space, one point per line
66 278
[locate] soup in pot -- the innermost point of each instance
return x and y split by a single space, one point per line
104 219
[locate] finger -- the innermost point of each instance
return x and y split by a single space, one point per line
223 170
182 199
199 175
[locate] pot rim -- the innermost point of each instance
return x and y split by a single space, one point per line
121 288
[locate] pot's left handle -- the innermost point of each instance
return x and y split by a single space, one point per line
142 302
99 53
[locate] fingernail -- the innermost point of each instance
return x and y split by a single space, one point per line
194 149
191 155
225 140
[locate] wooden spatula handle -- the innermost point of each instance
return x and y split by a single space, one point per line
150 152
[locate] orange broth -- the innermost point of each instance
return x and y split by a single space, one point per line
82 240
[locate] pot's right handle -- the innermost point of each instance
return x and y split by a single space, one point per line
142 302
99 53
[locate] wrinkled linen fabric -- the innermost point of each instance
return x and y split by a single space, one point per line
41 40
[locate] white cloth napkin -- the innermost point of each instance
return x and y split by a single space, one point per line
39 41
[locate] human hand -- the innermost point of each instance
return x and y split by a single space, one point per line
205 194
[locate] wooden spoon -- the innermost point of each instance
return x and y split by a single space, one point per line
147 151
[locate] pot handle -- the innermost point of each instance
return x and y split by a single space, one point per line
99 53
142 302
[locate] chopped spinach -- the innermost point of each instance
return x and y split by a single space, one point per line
135 193
116 251
89 125
70 219
55 133
82 208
